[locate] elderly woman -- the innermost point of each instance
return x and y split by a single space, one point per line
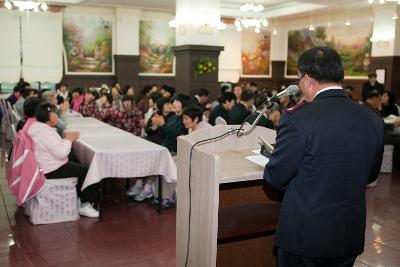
51 152
50 97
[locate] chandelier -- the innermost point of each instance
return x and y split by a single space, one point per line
251 19
26 5
383 1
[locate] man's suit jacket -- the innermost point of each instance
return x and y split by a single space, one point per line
238 114
218 111
326 152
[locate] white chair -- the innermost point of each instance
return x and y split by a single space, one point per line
56 202
220 121
387 160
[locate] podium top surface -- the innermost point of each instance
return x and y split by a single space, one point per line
236 168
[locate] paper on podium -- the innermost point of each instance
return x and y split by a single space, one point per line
391 119
258 159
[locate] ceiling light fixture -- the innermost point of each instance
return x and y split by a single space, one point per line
347 23
251 8
29 5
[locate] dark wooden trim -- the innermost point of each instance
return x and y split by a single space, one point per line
197 48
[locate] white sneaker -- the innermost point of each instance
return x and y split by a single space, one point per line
143 195
134 190
86 209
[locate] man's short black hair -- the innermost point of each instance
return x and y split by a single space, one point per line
323 64
17 89
43 110
169 89
224 88
193 112
227 96
373 94
253 83
372 74
184 99
30 106
246 95
203 92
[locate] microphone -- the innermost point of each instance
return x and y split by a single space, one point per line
291 90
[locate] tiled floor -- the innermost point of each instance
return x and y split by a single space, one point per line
134 234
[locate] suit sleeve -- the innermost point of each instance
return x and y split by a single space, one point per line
376 165
288 154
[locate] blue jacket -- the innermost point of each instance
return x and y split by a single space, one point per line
326 152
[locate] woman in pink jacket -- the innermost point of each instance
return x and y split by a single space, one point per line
52 152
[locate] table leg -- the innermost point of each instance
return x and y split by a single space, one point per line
160 204
100 201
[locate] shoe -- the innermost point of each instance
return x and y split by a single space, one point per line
373 184
143 195
86 209
166 203
134 191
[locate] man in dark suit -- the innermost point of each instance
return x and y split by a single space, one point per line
372 85
227 102
243 109
327 149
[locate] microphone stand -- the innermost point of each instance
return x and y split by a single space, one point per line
268 104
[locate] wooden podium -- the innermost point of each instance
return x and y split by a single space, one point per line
233 216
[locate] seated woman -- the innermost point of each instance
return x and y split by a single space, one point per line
106 112
389 104
129 118
52 152
89 106
193 119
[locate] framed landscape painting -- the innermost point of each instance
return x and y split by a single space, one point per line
256 53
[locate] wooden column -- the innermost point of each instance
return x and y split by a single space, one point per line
127 71
186 58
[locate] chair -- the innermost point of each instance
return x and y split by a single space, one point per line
387 160
56 202
220 121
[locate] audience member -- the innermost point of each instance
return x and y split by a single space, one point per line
63 94
227 102
19 105
32 93
116 95
144 98
252 86
13 98
77 99
88 107
350 91
129 90
30 105
286 102
164 108
372 85
373 101
107 109
167 91
173 127
389 104
200 99
129 118
52 152
237 90
152 106
266 119
193 119
243 109
50 97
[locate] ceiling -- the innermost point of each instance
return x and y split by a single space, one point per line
230 8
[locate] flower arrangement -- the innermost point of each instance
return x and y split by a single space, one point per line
205 64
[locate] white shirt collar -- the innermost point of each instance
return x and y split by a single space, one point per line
328 88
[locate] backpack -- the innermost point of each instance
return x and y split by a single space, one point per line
25 177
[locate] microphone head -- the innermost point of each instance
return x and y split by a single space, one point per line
292 89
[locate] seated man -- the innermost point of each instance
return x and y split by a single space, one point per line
227 102
243 109
129 118
51 152
89 106
13 98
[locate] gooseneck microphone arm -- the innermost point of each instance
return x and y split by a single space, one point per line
268 104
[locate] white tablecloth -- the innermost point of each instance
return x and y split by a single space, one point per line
111 152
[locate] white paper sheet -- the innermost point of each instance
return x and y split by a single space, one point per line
258 159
